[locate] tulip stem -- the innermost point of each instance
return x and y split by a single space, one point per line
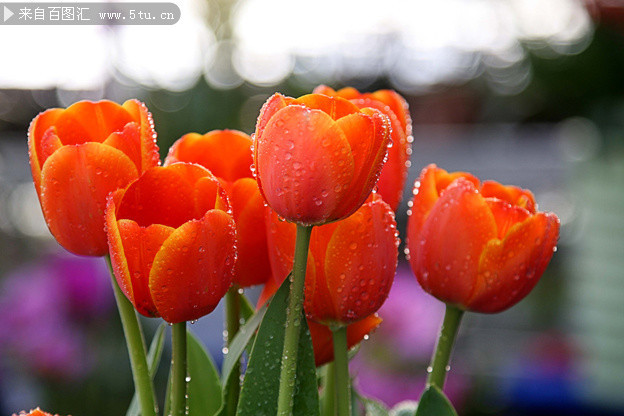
232 306
446 339
136 349
329 395
341 360
293 321
178 369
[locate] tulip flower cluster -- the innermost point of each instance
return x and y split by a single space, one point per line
306 207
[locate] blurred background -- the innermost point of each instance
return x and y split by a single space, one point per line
525 92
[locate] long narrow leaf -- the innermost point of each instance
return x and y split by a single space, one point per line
261 384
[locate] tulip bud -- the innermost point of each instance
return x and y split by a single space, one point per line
317 158
480 247
78 156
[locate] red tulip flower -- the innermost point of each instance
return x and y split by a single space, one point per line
78 156
227 154
479 246
172 242
35 412
394 173
317 158
351 263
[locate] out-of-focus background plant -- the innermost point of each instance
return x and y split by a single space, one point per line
527 92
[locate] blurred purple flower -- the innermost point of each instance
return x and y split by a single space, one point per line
392 368
46 309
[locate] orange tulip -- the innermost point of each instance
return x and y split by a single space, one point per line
35 412
480 247
172 242
317 158
351 263
227 154
78 156
394 173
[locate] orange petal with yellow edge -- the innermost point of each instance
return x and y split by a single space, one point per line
87 121
275 103
194 268
510 268
446 251
128 141
140 245
514 195
38 127
149 149
335 107
75 182
301 143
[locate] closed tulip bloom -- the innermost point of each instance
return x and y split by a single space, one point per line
78 156
172 242
394 173
35 412
479 246
317 158
227 154
351 263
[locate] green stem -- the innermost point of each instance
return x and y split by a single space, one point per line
293 320
446 339
136 349
178 369
341 360
329 404
232 306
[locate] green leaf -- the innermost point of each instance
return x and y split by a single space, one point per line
261 385
246 308
153 359
404 408
204 387
235 351
433 402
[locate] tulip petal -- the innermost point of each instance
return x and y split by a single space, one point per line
252 263
128 141
360 284
149 149
86 121
163 196
269 108
444 263
514 195
368 136
38 127
299 142
225 153
510 268
140 246
506 215
75 182
427 188
394 172
398 105
194 267
335 107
